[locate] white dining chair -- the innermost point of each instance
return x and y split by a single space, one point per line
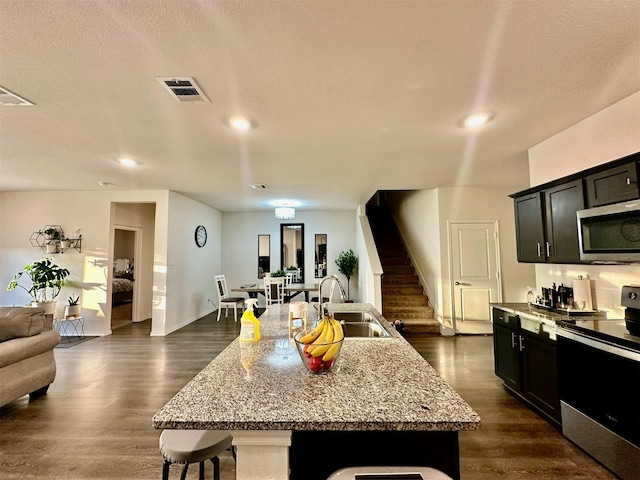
289 280
274 289
224 300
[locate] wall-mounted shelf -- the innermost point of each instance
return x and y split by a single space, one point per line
51 239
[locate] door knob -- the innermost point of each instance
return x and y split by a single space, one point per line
465 284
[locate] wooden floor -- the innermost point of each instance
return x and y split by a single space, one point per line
95 422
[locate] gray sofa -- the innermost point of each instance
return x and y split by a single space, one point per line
27 364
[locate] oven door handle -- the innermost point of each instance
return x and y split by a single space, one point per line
598 344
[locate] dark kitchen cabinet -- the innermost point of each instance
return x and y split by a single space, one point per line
506 352
529 228
527 363
561 205
540 373
547 226
614 185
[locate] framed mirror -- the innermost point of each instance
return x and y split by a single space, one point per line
292 249
321 255
264 255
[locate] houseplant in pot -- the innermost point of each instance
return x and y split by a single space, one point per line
72 310
45 282
53 239
347 263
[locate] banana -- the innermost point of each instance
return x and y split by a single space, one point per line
313 334
337 336
320 350
322 327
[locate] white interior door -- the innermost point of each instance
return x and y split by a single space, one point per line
475 274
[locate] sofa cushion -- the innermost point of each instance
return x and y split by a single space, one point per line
21 322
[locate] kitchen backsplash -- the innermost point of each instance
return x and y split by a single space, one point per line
608 281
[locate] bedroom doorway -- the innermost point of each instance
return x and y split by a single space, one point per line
124 294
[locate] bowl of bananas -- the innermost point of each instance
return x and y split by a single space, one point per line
319 347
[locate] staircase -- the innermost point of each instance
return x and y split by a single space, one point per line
402 295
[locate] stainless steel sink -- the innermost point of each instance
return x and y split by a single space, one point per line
360 324
364 329
353 317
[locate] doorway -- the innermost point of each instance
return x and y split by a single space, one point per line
124 293
475 275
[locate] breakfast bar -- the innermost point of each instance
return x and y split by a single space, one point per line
383 399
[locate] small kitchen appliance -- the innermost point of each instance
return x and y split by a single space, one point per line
631 301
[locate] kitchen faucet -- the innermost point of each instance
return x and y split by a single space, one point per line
343 294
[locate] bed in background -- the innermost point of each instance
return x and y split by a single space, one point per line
122 290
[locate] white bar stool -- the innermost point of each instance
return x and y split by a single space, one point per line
193 446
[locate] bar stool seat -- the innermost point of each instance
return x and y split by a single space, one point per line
193 446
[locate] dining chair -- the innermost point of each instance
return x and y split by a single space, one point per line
289 280
224 300
274 289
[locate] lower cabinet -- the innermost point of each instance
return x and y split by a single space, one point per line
527 363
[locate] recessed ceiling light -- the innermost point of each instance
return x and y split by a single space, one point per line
102 183
127 162
240 122
476 119
258 186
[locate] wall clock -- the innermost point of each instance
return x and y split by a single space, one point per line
201 236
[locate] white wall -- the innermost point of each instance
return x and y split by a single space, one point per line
610 134
190 268
240 232
22 213
369 266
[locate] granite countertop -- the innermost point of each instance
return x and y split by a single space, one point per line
380 384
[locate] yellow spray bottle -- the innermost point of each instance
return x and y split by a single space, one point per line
249 324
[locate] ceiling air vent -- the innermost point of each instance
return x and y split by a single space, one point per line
9 99
183 89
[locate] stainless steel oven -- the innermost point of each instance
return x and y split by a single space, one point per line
610 234
599 384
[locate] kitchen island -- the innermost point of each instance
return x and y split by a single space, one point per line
384 401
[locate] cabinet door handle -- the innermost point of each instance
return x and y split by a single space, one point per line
628 181
521 338
539 247
513 340
548 249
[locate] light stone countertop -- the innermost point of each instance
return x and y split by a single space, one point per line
379 384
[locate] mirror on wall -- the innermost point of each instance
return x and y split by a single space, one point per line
264 255
321 255
292 249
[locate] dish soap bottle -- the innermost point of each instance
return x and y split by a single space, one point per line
249 324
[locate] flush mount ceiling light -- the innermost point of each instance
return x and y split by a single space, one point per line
285 213
240 123
127 162
476 119
258 186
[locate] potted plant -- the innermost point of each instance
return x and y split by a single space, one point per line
53 239
347 263
72 310
65 243
46 280
279 273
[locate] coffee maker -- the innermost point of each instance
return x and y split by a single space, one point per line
631 301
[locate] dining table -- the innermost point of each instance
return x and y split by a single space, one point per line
253 289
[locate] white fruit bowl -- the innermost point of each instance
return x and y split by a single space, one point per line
318 363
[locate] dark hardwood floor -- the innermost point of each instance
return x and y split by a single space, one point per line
95 422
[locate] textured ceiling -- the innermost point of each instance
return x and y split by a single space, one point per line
350 97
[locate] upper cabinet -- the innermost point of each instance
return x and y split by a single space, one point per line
613 185
546 224
530 228
546 220
561 205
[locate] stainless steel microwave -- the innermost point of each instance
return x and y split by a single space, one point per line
610 234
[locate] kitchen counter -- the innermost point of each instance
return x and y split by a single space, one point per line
381 384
